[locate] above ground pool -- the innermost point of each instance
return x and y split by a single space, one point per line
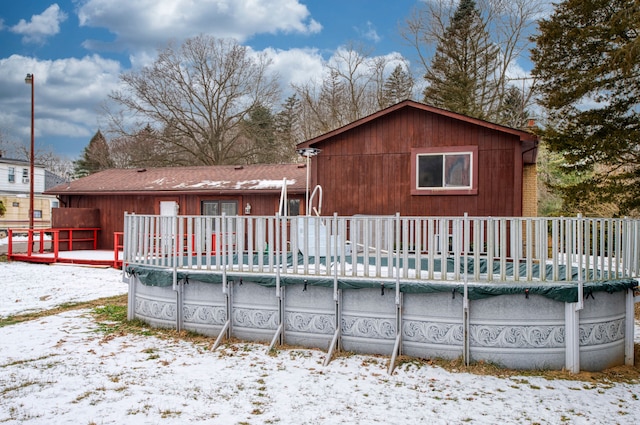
538 293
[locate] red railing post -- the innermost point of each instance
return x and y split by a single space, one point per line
56 241
10 246
117 237
41 232
29 242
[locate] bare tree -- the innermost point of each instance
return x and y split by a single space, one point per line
145 148
44 156
196 97
353 87
5 145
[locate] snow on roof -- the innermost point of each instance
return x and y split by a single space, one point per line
224 177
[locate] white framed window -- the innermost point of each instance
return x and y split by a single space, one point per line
25 175
12 175
444 170
219 207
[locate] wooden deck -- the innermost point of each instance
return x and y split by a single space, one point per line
94 257
68 245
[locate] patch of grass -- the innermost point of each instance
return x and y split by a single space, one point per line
19 362
618 374
168 413
118 300
24 384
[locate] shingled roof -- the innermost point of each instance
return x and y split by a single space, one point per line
262 178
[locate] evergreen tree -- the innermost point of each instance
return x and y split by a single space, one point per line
259 129
513 112
397 87
587 58
334 102
95 157
461 75
287 128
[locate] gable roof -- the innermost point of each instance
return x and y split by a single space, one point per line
218 179
529 140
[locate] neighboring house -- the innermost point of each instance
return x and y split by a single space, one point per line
14 194
418 160
410 158
101 199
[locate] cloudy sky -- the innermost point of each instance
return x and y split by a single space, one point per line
76 49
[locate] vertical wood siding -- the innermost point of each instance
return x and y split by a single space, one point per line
112 207
367 170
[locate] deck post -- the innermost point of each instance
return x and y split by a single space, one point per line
129 235
278 337
466 353
131 298
228 293
283 317
397 347
629 329
401 243
572 337
180 306
465 309
336 343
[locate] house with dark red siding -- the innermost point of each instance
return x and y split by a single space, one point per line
101 199
418 160
410 158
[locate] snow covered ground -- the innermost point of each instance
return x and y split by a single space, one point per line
59 370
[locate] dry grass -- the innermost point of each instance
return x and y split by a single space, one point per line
615 374
119 300
618 374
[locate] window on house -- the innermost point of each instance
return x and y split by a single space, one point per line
25 175
12 175
444 171
15 204
293 206
216 208
219 207
37 213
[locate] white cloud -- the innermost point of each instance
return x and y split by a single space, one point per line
296 66
148 24
369 32
68 94
40 26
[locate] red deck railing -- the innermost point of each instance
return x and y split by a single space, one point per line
60 240
118 244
